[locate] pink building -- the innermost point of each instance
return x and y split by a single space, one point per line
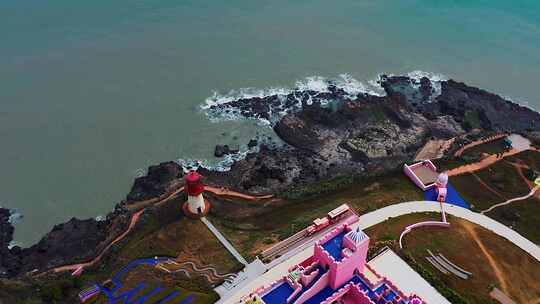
334 274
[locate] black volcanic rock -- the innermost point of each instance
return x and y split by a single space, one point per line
9 261
67 243
159 180
379 133
221 150
356 134
252 143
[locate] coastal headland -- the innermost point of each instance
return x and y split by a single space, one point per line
331 138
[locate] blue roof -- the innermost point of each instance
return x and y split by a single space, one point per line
279 294
333 246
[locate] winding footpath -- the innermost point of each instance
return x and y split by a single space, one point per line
78 268
141 206
479 142
531 193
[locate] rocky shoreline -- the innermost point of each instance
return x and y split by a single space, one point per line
73 241
358 134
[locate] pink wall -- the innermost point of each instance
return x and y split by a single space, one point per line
421 224
294 294
342 271
307 278
408 170
318 286
349 293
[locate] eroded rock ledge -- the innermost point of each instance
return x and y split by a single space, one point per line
359 135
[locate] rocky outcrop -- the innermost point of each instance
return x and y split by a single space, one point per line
353 134
70 242
222 150
159 180
364 134
9 259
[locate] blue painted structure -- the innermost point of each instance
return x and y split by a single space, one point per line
333 246
452 196
130 296
279 294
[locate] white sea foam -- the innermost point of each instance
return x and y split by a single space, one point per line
226 162
314 86
140 172
223 165
15 218
313 83
353 87
434 78
100 218
13 244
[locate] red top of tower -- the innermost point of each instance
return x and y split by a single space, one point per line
194 184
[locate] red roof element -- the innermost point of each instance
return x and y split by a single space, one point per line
193 183
192 177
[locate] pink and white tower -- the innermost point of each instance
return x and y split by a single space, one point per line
440 184
196 205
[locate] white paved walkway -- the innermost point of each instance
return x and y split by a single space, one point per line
531 193
390 265
224 241
380 215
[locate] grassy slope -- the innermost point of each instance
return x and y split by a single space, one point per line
523 216
491 147
501 177
255 233
521 271
159 233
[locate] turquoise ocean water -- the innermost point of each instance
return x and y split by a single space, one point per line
91 92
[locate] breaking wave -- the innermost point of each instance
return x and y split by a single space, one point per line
15 218
226 162
267 106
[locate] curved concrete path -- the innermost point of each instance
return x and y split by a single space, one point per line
378 216
531 193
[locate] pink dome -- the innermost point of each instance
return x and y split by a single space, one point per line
442 179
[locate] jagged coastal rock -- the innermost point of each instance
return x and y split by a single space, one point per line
355 132
156 182
327 134
73 241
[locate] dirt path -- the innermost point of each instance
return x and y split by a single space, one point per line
140 207
81 266
135 206
518 167
478 142
498 272
227 192
484 163
487 186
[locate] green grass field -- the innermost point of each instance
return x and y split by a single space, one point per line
520 271
522 216
252 234
474 192
492 147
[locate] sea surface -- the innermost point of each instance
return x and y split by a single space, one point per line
93 92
